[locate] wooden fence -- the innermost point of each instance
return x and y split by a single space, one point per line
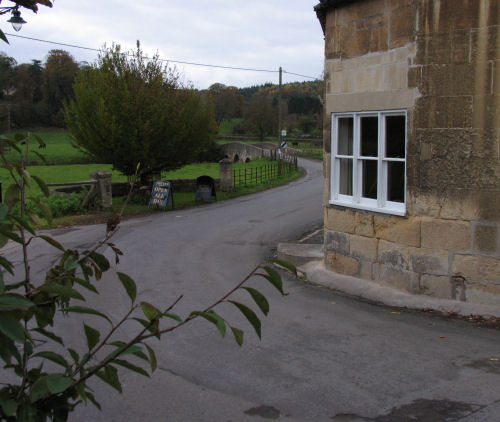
257 175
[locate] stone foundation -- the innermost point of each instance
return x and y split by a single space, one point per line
444 258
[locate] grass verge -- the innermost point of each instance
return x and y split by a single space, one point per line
181 201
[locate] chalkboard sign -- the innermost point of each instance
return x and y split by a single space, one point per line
161 195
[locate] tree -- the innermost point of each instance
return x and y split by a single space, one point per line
128 109
228 101
261 117
7 65
27 4
58 76
43 377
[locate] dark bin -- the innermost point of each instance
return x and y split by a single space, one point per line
205 189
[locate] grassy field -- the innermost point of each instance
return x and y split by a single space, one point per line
59 149
65 168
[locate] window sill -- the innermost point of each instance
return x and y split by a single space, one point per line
393 210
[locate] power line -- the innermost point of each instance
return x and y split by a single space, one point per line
249 69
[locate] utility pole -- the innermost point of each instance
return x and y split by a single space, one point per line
279 108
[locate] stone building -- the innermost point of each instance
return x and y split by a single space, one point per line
412 144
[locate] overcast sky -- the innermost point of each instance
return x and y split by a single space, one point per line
260 34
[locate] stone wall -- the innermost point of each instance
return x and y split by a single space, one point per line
440 61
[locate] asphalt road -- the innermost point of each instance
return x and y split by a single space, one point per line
322 356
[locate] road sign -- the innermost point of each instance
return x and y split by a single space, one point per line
283 133
161 194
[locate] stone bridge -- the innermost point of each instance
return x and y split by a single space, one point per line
240 152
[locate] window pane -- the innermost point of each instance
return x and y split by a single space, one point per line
395 136
396 181
369 136
345 135
369 179
345 176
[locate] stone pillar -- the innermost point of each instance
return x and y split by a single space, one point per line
103 188
226 175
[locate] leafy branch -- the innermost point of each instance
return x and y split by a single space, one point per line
28 308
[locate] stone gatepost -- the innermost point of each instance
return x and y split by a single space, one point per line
103 188
226 175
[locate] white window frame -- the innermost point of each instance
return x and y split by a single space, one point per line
381 204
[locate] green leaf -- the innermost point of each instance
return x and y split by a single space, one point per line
92 399
150 311
7 265
10 235
11 327
60 290
43 187
85 310
57 383
24 224
100 260
288 265
92 335
26 178
249 315
129 285
130 366
4 210
39 390
70 264
173 316
26 413
238 335
14 301
8 405
12 196
128 351
259 299
74 355
110 376
4 38
8 349
85 284
52 242
44 208
41 142
48 334
152 357
54 357
273 277
42 157
221 324
141 321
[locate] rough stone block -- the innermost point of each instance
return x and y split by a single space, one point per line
363 224
446 234
436 286
364 248
455 79
486 238
395 76
429 261
484 293
337 242
400 279
379 39
402 26
365 270
443 112
398 229
342 264
477 267
341 220
393 255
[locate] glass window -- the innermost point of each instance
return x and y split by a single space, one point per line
369 160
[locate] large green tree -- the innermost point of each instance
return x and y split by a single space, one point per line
128 109
58 76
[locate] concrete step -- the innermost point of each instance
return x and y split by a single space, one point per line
300 253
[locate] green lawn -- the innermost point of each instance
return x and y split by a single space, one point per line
59 149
